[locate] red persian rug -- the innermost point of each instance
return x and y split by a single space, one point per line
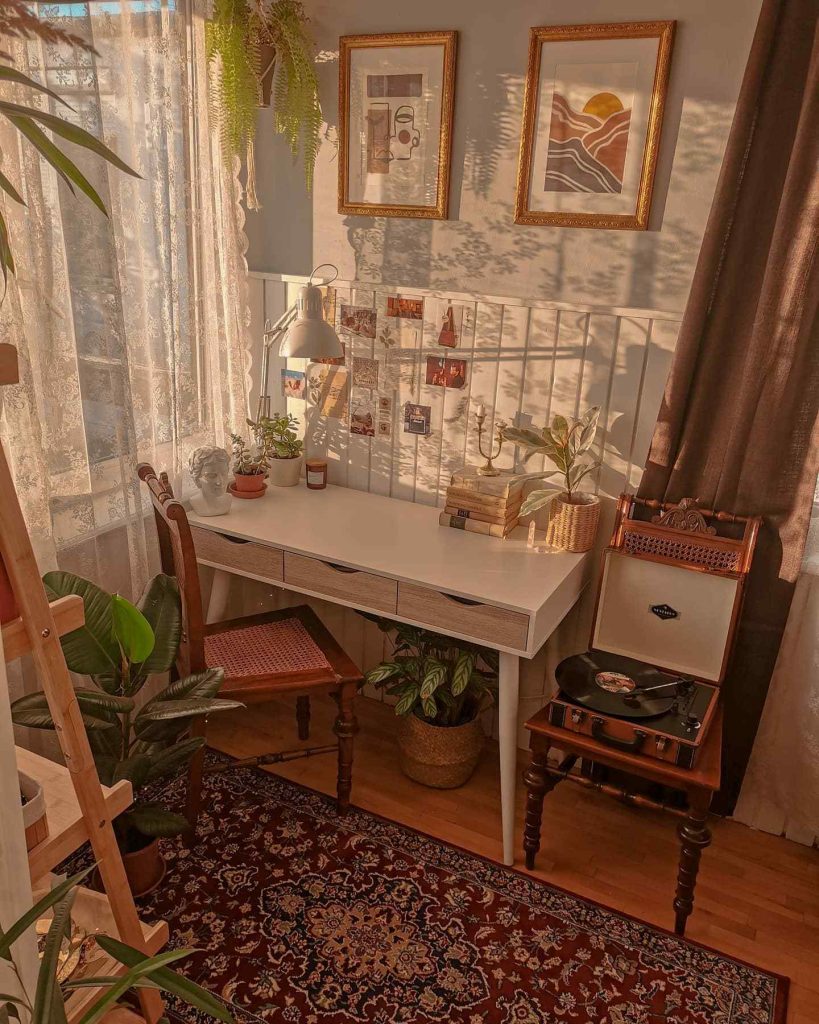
307 918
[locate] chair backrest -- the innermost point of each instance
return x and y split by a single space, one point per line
178 558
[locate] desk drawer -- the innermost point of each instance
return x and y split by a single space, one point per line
260 560
340 582
473 619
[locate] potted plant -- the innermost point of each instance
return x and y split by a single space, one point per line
249 469
283 449
573 514
119 647
442 686
44 1005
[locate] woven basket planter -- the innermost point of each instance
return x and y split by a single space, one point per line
439 756
573 527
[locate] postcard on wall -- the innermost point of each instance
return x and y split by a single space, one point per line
293 384
446 373
384 428
417 418
384 406
365 372
592 118
358 320
395 123
405 309
334 360
329 390
362 417
449 323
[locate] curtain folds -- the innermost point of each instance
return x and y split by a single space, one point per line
737 428
131 330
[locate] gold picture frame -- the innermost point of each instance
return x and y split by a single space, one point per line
436 199
572 176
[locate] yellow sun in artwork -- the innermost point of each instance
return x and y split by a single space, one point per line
603 104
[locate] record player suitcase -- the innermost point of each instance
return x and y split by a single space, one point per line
668 602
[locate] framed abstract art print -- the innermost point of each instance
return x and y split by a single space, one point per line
395 123
593 112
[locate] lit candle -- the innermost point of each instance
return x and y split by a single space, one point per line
481 409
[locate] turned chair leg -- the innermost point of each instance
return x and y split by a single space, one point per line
694 837
346 726
193 803
303 717
538 783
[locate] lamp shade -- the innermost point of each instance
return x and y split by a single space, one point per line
310 336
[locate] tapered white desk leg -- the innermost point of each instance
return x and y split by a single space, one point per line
508 686
219 593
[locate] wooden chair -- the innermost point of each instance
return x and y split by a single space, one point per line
263 656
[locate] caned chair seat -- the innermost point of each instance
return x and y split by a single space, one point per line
268 648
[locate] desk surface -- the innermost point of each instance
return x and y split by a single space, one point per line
399 539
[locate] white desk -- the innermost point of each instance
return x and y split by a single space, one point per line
391 557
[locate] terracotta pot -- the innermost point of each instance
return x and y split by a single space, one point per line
573 526
439 756
8 606
285 472
145 868
249 482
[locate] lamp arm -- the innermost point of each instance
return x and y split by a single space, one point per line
271 335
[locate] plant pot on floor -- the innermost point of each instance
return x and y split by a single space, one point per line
248 485
285 472
573 525
442 757
145 868
34 810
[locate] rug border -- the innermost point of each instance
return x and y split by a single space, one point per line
783 980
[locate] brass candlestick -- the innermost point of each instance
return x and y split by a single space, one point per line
488 469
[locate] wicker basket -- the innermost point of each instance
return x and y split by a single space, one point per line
573 527
439 756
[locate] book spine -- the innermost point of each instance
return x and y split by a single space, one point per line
470 526
482 517
487 485
482 502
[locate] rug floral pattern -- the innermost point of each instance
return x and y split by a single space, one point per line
306 918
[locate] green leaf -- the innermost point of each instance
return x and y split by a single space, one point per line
134 768
430 707
132 630
538 500
71 132
560 429
124 983
434 676
8 74
7 939
199 685
94 700
9 189
6 256
462 672
382 672
168 980
167 761
32 711
91 649
159 604
523 436
407 702
155 820
47 987
158 713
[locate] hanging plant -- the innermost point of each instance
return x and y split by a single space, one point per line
255 47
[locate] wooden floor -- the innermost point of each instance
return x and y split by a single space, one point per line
757 897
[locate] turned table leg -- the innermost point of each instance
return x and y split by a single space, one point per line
539 782
694 837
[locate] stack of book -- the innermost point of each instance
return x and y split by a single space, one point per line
483 504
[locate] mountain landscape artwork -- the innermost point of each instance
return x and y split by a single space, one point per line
587 147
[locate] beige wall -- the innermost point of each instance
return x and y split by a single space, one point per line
480 249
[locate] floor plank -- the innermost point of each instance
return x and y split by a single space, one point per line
757 897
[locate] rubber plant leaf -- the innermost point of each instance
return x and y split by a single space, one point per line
159 604
91 649
132 630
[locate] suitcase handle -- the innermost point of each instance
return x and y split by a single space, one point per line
598 732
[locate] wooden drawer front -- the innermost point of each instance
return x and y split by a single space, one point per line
481 621
243 556
339 581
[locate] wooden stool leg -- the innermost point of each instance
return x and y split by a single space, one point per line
346 726
694 837
193 804
538 783
303 717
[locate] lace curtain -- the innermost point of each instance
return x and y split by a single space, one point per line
130 330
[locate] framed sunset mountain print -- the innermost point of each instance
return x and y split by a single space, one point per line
593 111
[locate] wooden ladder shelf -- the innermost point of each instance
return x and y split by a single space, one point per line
78 807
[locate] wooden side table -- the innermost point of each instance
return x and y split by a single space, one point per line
699 784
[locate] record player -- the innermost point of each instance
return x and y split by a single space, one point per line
668 602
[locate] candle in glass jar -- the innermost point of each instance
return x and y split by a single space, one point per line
316 470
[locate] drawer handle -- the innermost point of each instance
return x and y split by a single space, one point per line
461 600
233 540
339 568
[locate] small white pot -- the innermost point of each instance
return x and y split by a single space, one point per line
34 810
285 472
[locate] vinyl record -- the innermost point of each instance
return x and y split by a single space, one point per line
611 684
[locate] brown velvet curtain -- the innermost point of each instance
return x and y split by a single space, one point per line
737 428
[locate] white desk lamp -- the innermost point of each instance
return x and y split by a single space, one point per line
307 335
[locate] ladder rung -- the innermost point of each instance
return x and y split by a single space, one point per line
68 613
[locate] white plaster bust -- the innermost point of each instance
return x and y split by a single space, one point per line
210 469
